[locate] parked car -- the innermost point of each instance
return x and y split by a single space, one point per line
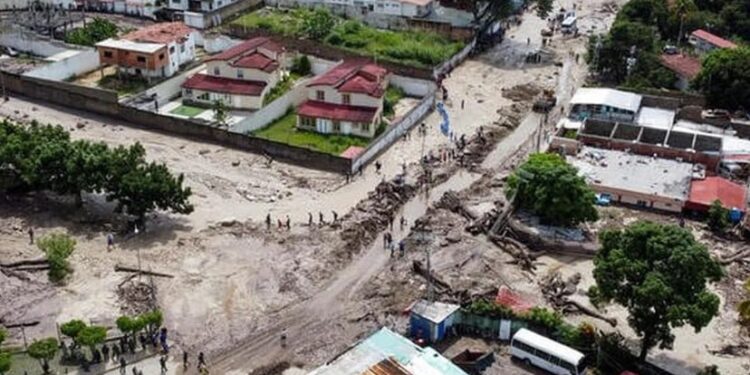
715 114
670 49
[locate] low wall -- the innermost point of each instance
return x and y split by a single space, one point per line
454 61
277 108
172 88
395 132
221 15
65 94
413 86
79 63
218 43
30 42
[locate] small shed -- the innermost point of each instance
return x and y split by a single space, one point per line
431 321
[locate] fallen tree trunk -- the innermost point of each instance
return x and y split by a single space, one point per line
520 256
119 268
28 262
32 268
420 270
738 256
451 202
591 313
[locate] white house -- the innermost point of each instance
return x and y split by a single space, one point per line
198 5
348 99
240 76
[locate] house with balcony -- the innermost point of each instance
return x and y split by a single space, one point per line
240 76
156 51
348 99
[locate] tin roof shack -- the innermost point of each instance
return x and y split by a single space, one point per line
386 352
431 321
642 181
705 42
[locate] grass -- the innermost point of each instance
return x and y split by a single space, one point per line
187 111
281 88
392 95
284 130
570 133
127 85
415 48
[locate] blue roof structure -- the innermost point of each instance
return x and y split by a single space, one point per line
385 345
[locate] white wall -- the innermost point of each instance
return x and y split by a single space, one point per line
30 42
272 111
218 43
79 63
412 86
320 66
193 19
172 87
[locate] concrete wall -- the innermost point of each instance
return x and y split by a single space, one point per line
274 110
217 43
26 41
207 19
395 132
319 66
172 87
447 66
79 63
413 86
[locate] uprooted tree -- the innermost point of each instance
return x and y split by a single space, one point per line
57 247
659 273
549 187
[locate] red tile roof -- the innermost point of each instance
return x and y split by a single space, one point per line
247 47
355 76
713 39
684 65
225 85
340 112
258 61
167 32
704 192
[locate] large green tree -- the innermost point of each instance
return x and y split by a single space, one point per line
44 351
744 307
659 273
725 78
72 328
5 360
319 23
551 188
92 336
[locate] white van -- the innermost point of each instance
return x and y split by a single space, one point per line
542 352
569 25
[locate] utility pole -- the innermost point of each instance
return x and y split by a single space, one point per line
429 275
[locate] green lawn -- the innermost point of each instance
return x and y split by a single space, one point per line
281 88
284 130
414 48
187 111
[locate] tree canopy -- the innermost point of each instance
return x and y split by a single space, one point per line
744 307
43 157
659 273
552 189
91 336
44 351
5 360
72 328
725 78
57 247
94 32
718 217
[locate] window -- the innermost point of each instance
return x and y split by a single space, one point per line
161 56
188 92
203 96
336 127
346 99
365 127
171 50
107 53
240 74
138 71
217 71
320 95
176 1
141 59
307 122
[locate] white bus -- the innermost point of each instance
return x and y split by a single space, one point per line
547 354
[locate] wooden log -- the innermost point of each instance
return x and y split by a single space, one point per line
591 313
120 268
738 256
420 270
27 262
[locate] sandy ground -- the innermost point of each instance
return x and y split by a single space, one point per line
237 286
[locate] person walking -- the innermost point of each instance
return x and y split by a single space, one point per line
105 352
385 240
163 364
378 166
268 222
201 360
402 222
401 249
110 241
390 222
309 218
335 216
123 365
288 223
31 236
320 218
184 360
279 223
135 370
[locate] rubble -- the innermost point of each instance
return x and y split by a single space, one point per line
136 297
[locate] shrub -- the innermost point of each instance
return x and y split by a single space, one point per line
301 66
57 247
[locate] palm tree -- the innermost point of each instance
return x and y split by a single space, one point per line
682 8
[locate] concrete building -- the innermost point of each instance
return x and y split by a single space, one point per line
156 51
240 76
643 181
198 5
705 42
604 104
348 99
432 321
143 8
703 192
386 352
686 68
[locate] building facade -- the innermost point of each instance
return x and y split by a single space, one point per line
156 51
604 104
240 76
348 99
198 5
705 42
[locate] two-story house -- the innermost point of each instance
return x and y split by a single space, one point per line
240 76
348 99
153 51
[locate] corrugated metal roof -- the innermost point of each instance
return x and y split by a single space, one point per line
385 344
609 97
435 312
388 366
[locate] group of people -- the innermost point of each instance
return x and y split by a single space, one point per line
281 224
389 243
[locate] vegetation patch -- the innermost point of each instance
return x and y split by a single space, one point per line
281 88
284 130
94 32
124 85
187 111
392 95
414 48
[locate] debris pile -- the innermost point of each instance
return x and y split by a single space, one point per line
510 116
557 292
522 93
372 215
136 297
